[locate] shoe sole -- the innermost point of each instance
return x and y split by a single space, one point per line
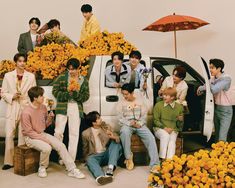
105 180
81 177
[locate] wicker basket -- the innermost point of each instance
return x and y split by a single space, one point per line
26 160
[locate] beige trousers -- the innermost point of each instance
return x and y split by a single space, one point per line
167 143
11 126
74 121
45 150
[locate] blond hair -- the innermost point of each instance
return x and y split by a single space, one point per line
170 91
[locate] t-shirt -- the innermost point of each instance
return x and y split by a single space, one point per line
98 145
34 39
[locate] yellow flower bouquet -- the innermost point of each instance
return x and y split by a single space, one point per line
215 168
73 85
105 43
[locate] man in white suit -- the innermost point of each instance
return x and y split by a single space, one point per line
14 92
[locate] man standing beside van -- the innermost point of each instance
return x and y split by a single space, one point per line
220 85
28 40
91 24
15 86
70 90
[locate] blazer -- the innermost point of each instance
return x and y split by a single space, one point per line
89 140
25 43
9 88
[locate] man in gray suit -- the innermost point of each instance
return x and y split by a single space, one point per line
28 40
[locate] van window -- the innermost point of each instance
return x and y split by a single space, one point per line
109 63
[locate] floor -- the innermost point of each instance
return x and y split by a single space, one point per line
57 177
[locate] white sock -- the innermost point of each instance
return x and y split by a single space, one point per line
111 166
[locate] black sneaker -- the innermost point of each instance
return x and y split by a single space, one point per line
102 180
6 167
109 172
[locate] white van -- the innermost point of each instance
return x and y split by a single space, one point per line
104 99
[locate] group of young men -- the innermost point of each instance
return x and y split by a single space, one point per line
101 145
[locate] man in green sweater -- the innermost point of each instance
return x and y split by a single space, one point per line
70 90
168 122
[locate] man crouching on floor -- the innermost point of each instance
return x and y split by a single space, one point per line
101 147
34 120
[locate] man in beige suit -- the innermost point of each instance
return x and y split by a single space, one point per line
14 91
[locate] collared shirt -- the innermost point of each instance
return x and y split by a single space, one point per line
138 79
89 27
171 104
220 88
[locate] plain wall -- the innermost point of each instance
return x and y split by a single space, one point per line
215 40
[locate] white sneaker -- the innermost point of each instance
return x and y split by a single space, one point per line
42 173
76 173
61 162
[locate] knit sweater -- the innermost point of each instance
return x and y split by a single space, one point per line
166 116
63 96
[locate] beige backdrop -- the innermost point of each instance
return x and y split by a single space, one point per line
130 17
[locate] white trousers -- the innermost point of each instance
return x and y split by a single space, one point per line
74 121
167 143
10 128
45 150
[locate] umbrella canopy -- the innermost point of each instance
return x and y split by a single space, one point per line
175 23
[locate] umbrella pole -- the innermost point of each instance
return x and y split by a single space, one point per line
175 43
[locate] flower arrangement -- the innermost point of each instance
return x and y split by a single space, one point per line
6 66
145 73
105 43
73 85
215 168
50 60
55 37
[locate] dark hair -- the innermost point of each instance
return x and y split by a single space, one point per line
130 87
75 63
119 54
35 92
36 20
136 54
181 72
218 63
86 8
18 55
53 23
91 117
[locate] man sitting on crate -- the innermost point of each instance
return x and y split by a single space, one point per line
34 120
168 122
132 114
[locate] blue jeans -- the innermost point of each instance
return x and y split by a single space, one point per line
109 157
147 138
222 120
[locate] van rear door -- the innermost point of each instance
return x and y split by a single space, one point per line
209 102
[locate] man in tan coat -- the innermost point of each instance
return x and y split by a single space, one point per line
14 91
101 147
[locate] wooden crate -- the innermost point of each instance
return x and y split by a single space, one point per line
179 146
140 153
26 160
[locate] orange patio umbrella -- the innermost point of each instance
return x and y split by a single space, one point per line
175 23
